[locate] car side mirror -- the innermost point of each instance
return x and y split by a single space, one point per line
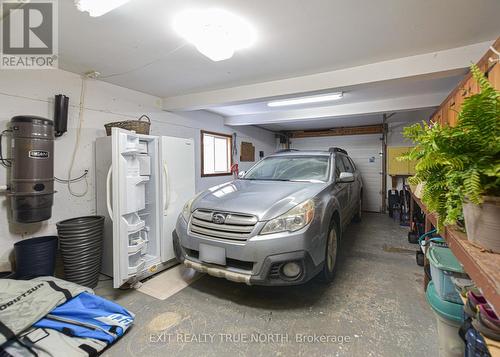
346 177
241 174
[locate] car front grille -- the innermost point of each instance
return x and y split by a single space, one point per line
235 226
274 272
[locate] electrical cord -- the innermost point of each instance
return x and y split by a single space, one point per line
69 181
76 179
4 162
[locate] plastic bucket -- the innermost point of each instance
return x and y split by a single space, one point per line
449 319
35 257
81 241
444 266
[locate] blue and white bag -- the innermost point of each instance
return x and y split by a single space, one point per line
89 316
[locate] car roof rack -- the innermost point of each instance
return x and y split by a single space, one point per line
335 149
285 150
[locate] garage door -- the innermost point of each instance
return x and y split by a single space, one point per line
365 150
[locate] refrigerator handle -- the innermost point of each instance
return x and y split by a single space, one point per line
166 193
108 192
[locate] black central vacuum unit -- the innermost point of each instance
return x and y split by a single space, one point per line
32 179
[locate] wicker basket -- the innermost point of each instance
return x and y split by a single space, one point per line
139 126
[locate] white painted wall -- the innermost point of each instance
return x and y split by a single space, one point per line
360 147
395 134
365 151
32 92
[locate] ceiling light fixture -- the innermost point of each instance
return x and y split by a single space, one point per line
306 100
216 33
97 8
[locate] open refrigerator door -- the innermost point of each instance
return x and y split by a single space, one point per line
133 188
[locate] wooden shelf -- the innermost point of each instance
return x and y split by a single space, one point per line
483 267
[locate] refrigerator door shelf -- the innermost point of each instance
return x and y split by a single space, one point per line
135 223
138 241
137 180
138 245
136 269
131 152
137 227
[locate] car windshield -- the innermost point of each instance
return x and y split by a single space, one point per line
291 168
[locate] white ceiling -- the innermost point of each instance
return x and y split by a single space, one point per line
355 94
296 37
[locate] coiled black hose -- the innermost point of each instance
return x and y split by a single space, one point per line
80 241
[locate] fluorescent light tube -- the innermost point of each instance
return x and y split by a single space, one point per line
306 100
97 8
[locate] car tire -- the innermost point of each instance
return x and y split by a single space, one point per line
331 254
177 249
358 215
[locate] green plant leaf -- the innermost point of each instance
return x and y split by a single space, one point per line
459 162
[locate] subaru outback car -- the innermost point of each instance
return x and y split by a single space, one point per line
280 223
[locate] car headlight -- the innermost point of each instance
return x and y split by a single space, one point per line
291 221
186 210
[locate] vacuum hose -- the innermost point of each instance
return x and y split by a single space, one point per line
80 241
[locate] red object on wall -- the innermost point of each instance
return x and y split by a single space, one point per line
234 170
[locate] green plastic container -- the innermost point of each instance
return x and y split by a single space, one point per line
445 309
444 266
449 317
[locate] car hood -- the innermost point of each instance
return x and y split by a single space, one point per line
264 199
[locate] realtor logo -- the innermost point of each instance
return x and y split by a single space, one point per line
29 34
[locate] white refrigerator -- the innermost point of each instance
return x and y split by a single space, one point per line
142 184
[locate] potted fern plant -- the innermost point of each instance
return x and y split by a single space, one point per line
461 165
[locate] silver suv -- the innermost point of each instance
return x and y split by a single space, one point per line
280 223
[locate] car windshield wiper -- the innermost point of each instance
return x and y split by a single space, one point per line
311 181
283 179
265 179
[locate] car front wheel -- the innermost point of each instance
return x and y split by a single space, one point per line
177 249
331 253
357 216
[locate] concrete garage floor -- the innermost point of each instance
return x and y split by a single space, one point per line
375 307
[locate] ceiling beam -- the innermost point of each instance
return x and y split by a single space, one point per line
398 104
431 65
342 131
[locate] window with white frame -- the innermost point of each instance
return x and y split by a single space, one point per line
216 154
